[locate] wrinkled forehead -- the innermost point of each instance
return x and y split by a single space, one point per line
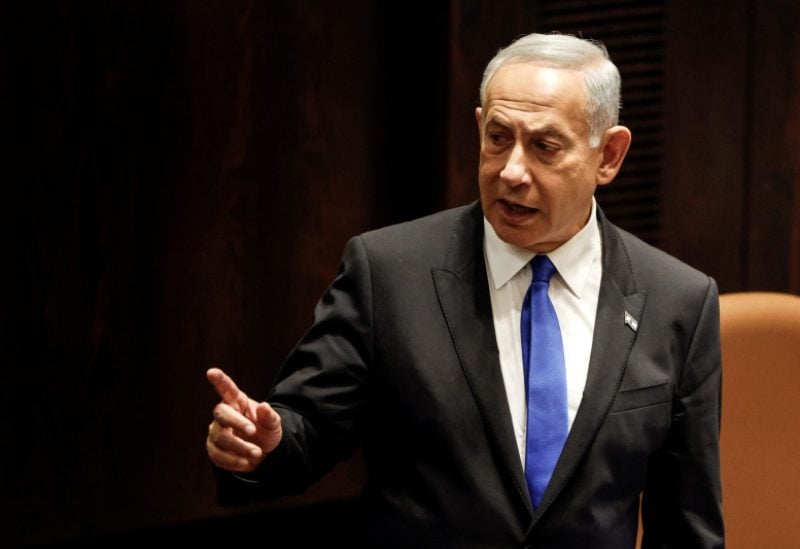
533 85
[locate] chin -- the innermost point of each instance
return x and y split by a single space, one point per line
526 241
515 237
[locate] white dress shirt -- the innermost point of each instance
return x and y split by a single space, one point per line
574 291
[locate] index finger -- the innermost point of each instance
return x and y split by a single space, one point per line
225 387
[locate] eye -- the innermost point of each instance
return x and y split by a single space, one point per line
497 138
547 146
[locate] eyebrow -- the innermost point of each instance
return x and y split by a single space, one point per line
546 130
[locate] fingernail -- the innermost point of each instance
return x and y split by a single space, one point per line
250 429
256 453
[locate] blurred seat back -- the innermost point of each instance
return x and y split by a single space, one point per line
760 438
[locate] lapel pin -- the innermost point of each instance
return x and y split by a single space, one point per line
631 322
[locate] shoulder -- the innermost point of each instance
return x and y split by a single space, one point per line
429 235
449 239
630 256
638 266
651 261
443 220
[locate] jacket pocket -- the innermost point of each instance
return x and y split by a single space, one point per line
642 397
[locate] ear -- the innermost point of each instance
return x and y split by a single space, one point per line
479 119
616 141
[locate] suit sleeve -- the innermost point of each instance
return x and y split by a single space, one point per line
681 507
320 392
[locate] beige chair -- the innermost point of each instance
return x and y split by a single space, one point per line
761 419
760 338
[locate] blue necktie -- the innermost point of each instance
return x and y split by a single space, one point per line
545 381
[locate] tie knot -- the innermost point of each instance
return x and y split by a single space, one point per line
542 268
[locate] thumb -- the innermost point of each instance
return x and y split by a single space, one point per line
270 431
267 417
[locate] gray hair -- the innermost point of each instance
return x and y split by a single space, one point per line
563 51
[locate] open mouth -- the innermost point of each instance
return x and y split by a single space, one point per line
517 209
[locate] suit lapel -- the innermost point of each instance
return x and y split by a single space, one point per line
462 287
620 304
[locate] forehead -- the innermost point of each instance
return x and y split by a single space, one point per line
532 87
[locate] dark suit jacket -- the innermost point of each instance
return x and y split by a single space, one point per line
402 359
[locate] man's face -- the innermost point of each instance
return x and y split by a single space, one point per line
537 173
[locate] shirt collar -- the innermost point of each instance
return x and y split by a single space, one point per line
573 259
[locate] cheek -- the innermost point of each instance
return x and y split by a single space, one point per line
563 193
576 179
485 187
487 163
488 172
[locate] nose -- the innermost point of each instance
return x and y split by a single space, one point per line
516 171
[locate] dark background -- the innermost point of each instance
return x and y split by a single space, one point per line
180 178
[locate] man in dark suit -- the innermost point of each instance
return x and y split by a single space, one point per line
415 351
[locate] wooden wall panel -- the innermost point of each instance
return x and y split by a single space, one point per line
730 175
772 216
705 128
185 177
